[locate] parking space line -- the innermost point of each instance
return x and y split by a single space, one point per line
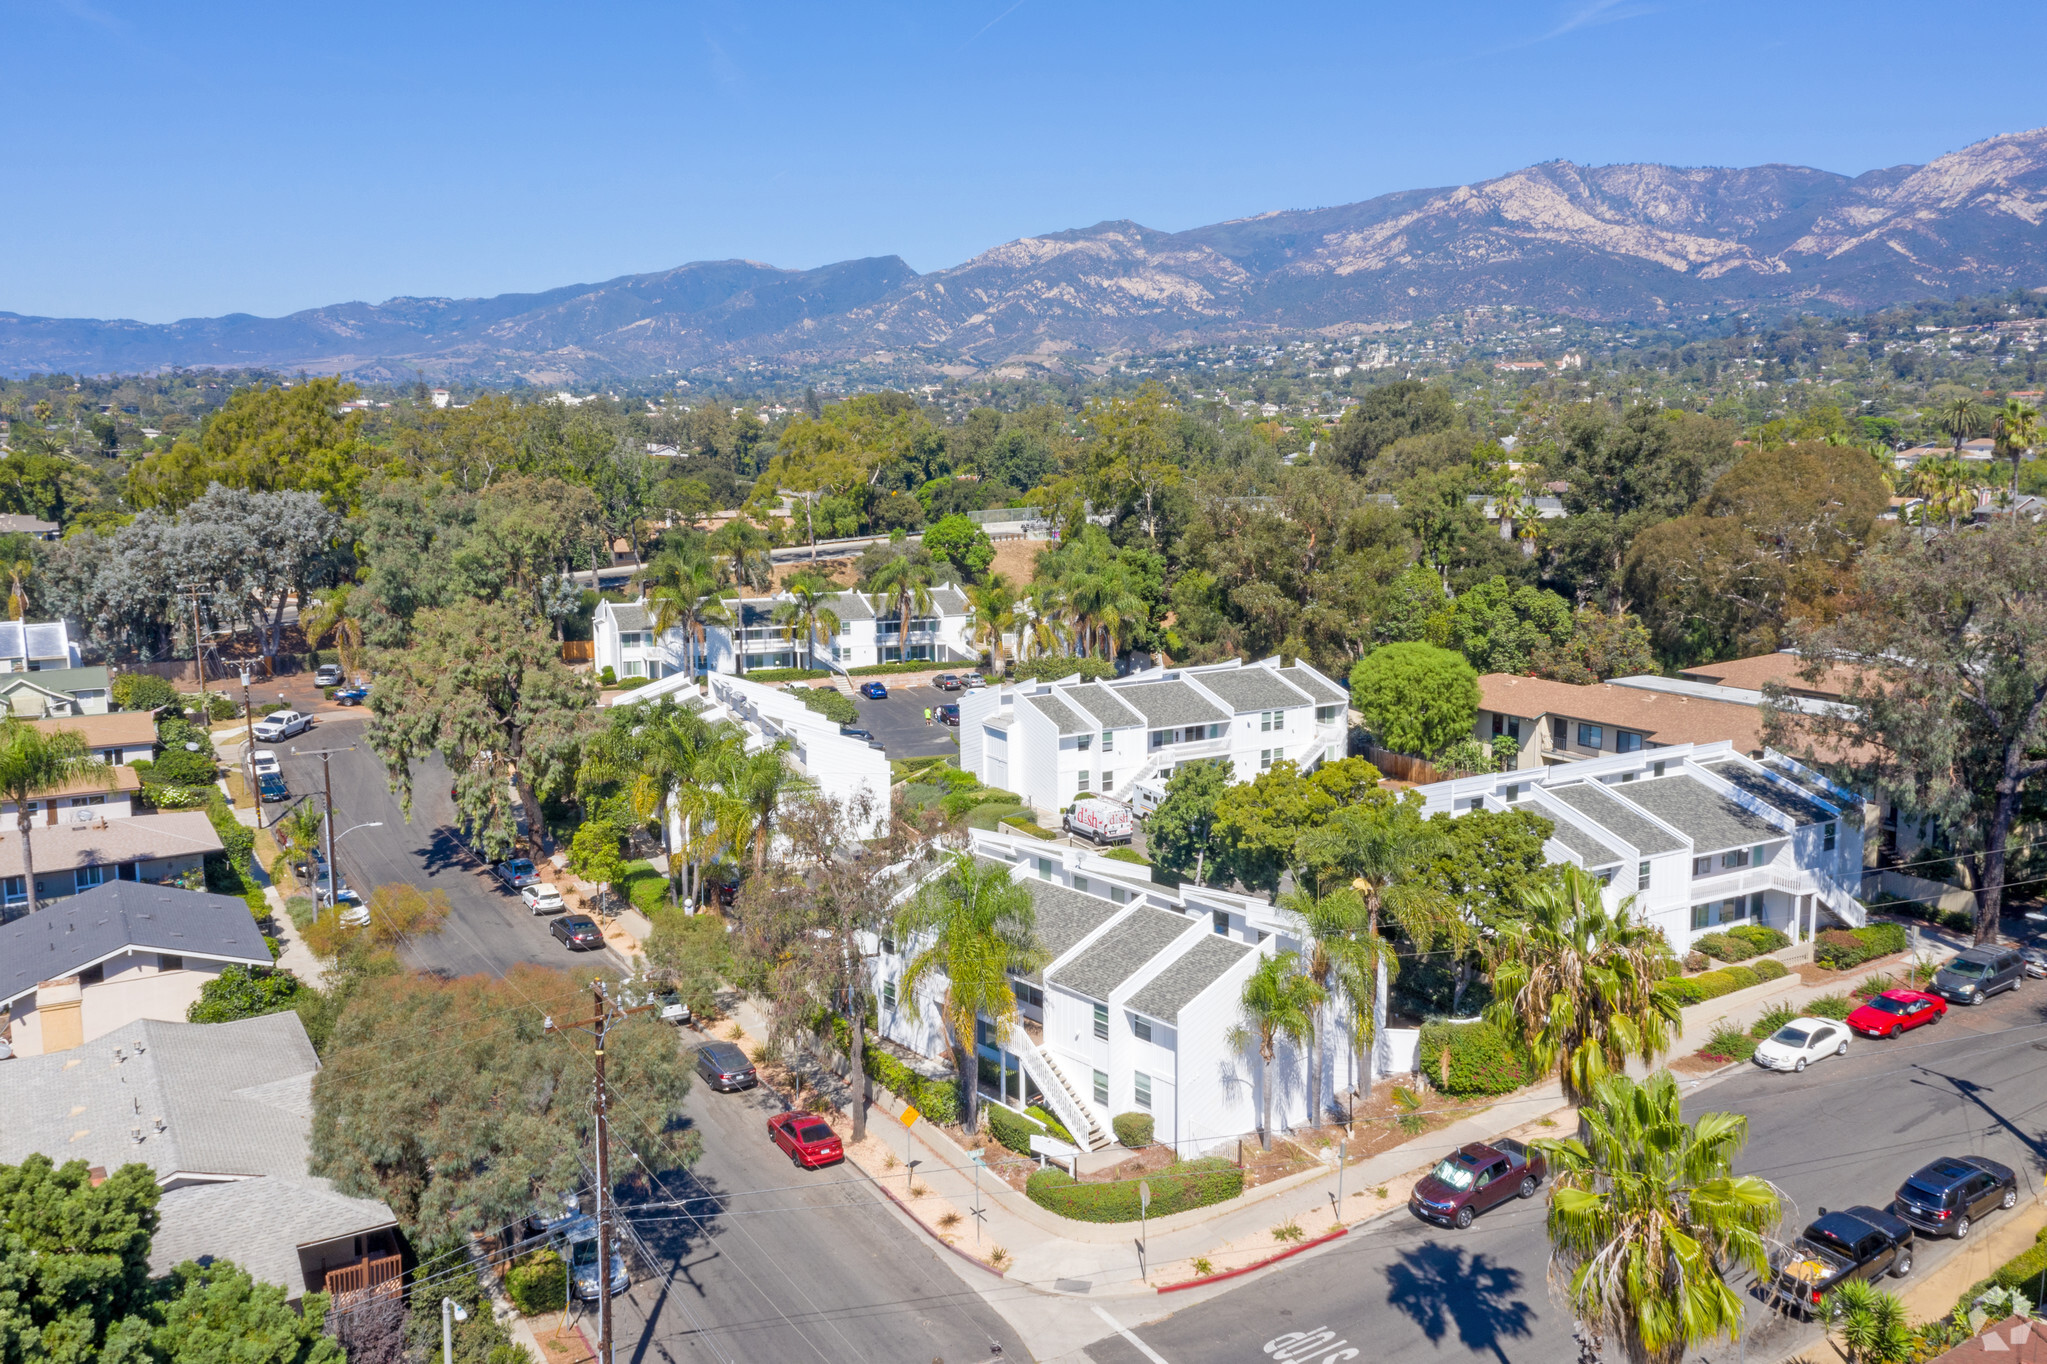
1153 1355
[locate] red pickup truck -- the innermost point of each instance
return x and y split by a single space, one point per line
1468 1181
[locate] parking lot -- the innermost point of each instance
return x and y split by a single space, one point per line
899 721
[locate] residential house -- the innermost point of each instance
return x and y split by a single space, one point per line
1560 722
113 795
123 737
56 691
222 1112
13 523
86 848
1055 742
31 647
99 961
1702 835
623 637
1134 1008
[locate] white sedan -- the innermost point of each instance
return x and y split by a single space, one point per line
1802 1041
266 762
542 898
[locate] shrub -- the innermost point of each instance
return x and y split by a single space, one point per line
1050 668
1130 855
179 768
938 1100
1177 1188
645 887
1132 1129
1836 1007
1052 1125
236 994
1774 1019
608 677
1769 968
1697 989
1871 985
1470 1059
539 1283
1012 1128
885 669
143 691
1743 977
1724 946
1729 1043
301 911
834 706
2023 1271
1696 961
1761 938
787 674
1840 949
1024 826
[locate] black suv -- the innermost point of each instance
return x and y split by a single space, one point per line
1946 1196
725 1067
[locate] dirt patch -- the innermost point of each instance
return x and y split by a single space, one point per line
839 570
1016 560
560 1344
1698 1063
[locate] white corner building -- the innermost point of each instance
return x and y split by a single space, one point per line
624 640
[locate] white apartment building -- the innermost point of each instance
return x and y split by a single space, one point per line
1134 1009
1701 835
1051 742
623 637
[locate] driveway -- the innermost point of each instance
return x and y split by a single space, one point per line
899 721
490 929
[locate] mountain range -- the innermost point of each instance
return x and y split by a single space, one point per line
1612 243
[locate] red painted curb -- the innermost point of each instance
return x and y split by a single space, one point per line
1268 1260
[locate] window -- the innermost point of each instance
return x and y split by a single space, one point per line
1625 742
1737 858
1265 721
1591 736
1558 727
1829 844
1641 876
1108 780
86 878
1119 895
166 961
1158 738
1702 866
1656 768
633 667
1102 1089
1141 1027
1108 741
1328 715
1044 869
1086 741
1082 786
1513 793
1219 918
888 994
1732 910
1265 757
1143 1088
1102 1022
1759 856
16 889
1700 916
1080 884
1026 993
93 975
1214 731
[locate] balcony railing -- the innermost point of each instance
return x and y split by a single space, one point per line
365 1278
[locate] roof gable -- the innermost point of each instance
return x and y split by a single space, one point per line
1183 980
73 932
1245 690
1603 811
1121 952
1709 819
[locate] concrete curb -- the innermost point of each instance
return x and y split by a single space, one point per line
929 1230
1286 1254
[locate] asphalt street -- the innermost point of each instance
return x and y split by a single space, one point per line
760 1259
489 929
1847 1131
898 721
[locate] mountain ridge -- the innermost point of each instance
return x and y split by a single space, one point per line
1625 241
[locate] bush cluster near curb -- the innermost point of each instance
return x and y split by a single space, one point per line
915 665
788 674
1179 1187
1469 1059
538 1283
1842 948
1739 944
1132 1129
1713 984
1014 1130
1052 667
937 1100
1024 826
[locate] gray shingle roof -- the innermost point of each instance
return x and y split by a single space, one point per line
1324 694
1249 689
284 1214
1589 851
1100 702
1121 952
630 616
60 679
755 612
1193 971
1165 704
852 606
1780 794
1059 713
1604 812
1709 819
949 600
1064 916
71 933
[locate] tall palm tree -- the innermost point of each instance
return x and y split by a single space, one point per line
1044 609
756 784
806 612
904 582
1279 1001
682 593
1331 927
663 755
2018 427
1944 484
745 546
1646 1216
33 762
330 616
993 615
1572 984
974 927
1962 414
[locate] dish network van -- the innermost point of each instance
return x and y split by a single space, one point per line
1101 821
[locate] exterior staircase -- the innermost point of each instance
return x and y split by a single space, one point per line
1060 1097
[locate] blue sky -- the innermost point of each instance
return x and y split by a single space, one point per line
164 161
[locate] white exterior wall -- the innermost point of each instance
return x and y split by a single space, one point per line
842 768
134 989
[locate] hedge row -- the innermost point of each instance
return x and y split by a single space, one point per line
1739 944
938 1100
2024 1271
1842 948
915 665
834 706
1470 1059
787 674
1713 984
1015 1130
1024 826
1051 669
1179 1187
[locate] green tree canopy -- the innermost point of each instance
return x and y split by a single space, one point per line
1500 626
960 541
267 438
1416 697
236 993
1181 833
1388 412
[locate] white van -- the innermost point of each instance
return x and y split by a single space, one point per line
1101 821
1147 796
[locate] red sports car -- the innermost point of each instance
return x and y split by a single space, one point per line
807 1138
1893 1011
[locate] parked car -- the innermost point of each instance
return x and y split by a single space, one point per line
266 761
542 898
517 873
270 786
1476 1177
1974 975
341 894
669 1008
578 932
806 1139
327 675
349 696
1100 821
1946 1197
1800 1042
1147 796
973 681
948 682
543 1219
874 691
581 1235
355 916
1896 1011
282 724
1854 1243
949 714
2034 961
725 1068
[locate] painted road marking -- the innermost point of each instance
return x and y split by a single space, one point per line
1153 1355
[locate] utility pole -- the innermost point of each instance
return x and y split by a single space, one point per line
192 592
249 716
327 781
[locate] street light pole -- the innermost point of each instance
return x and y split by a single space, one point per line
448 1329
249 752
327 781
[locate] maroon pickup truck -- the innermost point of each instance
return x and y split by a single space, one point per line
1467 1182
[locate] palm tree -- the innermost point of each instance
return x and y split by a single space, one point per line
806 612
904 582
1962 414
682 593
1944 484
993 615
746 546
976 928
1331 928
1646 1217
756 784
17 594
1870 1323
32 762
2018 427
1044 608
1279 1001
330 616
1572 984
662 754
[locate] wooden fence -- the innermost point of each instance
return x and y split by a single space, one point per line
579 651
1408 768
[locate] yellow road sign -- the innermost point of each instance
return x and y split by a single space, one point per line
910 1116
